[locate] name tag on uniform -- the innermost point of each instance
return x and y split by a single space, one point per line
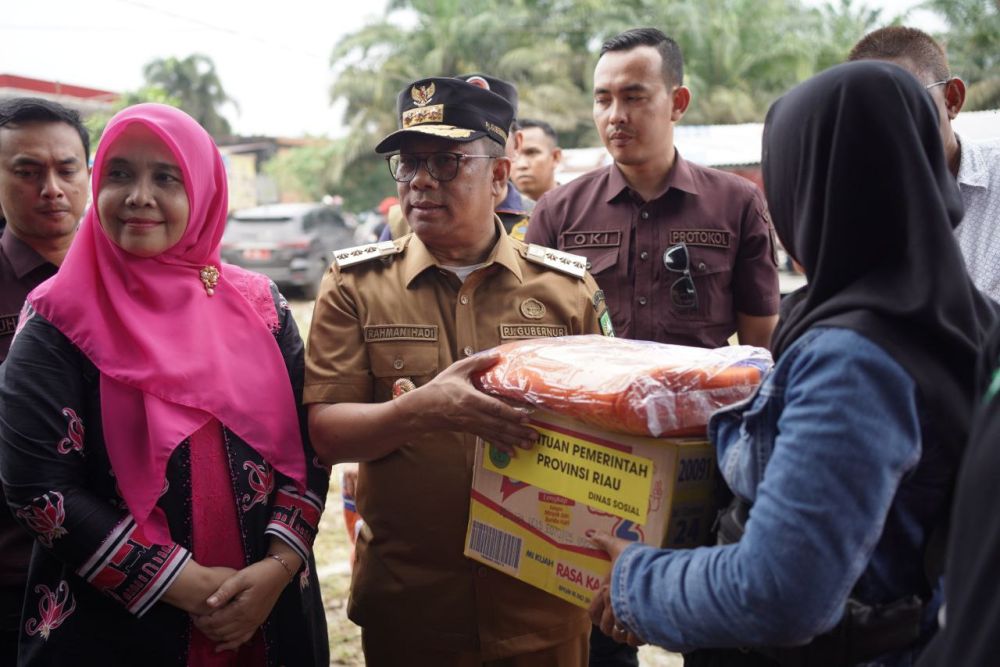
8 324
379 333
713 238
519 331
593 239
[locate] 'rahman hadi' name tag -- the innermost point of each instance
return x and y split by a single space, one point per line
385 332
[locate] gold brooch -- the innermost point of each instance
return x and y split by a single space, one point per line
210 278
401 386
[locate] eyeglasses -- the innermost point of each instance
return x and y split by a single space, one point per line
936 84
441 166
682 292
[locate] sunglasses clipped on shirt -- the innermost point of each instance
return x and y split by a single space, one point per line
682 292
441 166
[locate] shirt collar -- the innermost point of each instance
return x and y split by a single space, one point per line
971 166
22 257
680 177
513 202
419 258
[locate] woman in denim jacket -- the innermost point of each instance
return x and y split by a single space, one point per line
847 453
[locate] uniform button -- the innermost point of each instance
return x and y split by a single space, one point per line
701 266
468 351
398 363
642 301
482 572
643 255
644 215
464 299
588 265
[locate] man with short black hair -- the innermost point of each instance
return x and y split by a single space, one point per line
44 174
538 159
685 254
975 165
513 209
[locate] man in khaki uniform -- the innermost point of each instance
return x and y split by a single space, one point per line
402 319
513 208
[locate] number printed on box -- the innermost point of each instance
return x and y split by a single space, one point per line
695 470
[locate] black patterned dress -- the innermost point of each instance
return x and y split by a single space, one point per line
95 582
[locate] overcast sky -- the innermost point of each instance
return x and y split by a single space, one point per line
272 57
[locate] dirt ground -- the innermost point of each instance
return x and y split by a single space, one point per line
333 547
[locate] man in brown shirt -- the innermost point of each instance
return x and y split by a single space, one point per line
538 159
684 254
720 275
402 319
43 191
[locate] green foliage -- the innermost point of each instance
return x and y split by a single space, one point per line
304 171
96 122
365 183
740 55
973 45
194 82
310 172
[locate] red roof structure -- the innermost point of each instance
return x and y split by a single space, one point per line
83 99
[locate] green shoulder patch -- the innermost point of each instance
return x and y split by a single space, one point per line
605 320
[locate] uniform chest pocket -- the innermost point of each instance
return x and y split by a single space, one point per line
599 261
412 360
709 261
711 270
417 361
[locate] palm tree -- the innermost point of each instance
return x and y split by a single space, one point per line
95 123
740 55
194 82
446 38
839 26
973 44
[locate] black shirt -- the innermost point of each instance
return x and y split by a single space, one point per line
21 270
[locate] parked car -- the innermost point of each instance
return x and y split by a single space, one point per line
289 243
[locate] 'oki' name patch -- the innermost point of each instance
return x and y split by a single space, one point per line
593 239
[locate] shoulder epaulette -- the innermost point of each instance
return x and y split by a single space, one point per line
363 253
575 265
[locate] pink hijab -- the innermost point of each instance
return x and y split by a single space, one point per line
170 356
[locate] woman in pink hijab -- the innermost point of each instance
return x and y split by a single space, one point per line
150 431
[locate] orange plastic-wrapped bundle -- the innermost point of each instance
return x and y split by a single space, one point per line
627 386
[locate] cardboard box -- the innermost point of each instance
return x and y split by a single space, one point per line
530 514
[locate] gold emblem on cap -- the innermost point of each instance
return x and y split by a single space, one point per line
432 114
422 94
533 309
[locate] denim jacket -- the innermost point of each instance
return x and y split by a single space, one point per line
829 452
